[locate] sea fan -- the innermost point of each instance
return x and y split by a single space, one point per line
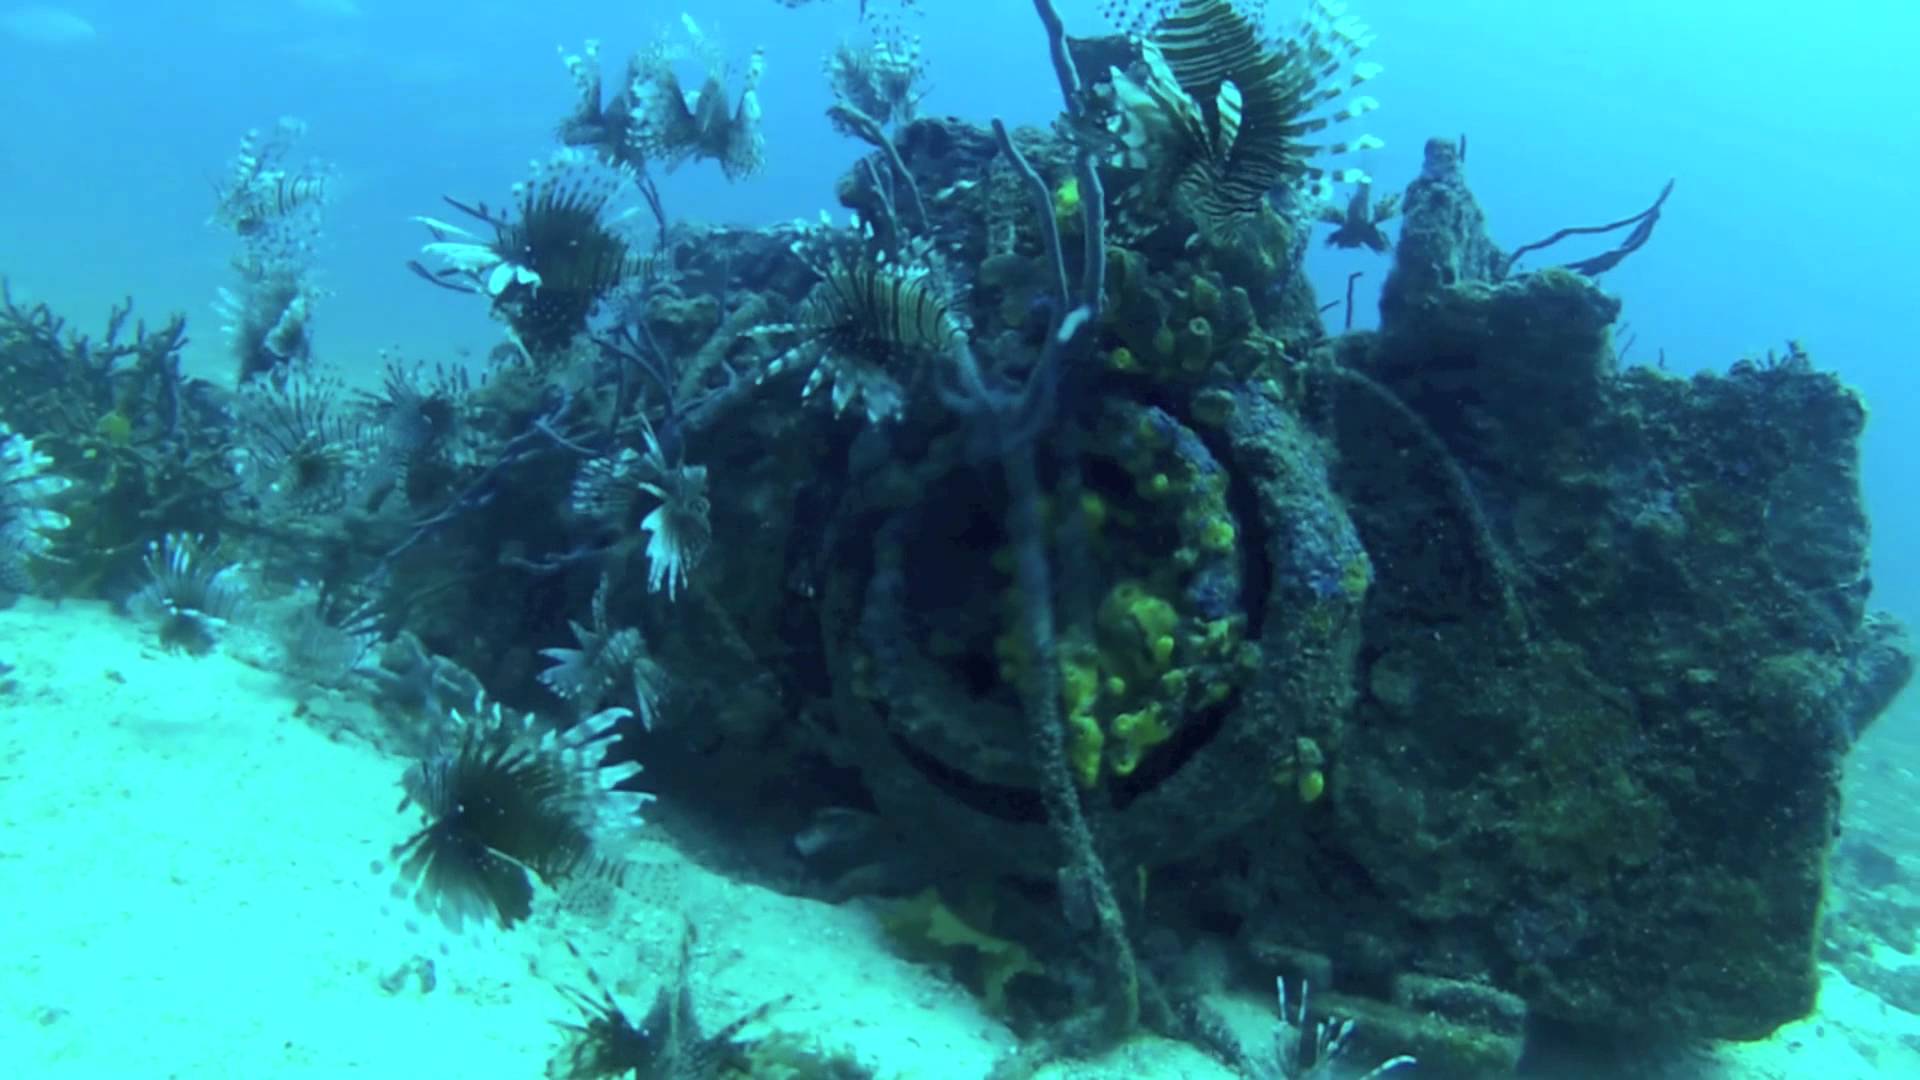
190 595
606 660
506 805
25 485
869 329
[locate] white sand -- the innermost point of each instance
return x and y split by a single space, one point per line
190 868
191 871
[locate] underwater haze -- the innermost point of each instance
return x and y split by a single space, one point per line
1780 123
1159 590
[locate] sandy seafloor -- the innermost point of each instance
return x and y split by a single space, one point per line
195 862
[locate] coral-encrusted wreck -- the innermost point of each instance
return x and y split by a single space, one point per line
1501 690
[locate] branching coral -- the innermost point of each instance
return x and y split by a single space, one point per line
151 446
1215 118
1640 228
124 386
549 267
1007 423
506 804
679 360
25 520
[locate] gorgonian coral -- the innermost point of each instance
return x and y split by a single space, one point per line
25 520
151 446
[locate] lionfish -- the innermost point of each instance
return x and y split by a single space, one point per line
549 266
671 125
1218 117
262 191
868 329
